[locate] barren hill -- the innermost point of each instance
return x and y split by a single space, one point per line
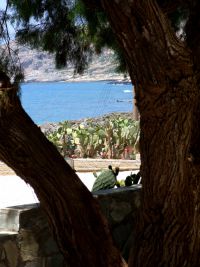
40 66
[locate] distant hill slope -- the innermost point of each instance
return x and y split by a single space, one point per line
40 66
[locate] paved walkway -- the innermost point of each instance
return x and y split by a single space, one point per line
14 191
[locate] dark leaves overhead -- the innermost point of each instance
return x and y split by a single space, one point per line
9 61
49 25
75 29
72 30
177 11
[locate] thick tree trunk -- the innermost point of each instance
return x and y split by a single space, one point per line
74 215
162 70
136 115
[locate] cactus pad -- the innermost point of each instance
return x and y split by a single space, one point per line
132 179
105 180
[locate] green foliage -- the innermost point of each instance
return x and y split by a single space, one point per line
71 30
107 140
119 134
9 61
105 180
62 139
49 25
132 179
120 183
9 64
99 32
66 28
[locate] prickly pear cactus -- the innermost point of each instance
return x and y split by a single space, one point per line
105 180
132 179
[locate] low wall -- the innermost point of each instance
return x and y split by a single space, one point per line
89 165
33 246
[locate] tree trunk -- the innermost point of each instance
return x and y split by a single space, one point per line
162 71
136 115
74 215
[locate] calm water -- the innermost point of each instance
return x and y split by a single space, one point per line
59 101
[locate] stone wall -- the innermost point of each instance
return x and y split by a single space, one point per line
33 245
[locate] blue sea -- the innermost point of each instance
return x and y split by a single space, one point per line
59 101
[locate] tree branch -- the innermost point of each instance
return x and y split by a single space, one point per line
74 215
93 5
170 6
151 41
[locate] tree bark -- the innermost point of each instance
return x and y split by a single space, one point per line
162 70
136 115
74 215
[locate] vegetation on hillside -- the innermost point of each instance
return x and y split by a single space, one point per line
112 138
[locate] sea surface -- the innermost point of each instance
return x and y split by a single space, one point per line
59 101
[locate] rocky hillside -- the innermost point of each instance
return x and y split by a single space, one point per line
40 66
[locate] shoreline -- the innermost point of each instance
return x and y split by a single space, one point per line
77 80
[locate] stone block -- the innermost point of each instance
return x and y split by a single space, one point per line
34 246
9 220
9 253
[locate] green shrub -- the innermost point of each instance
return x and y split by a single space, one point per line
114 138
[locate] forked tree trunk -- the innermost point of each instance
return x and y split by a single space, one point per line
77 224
162 70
